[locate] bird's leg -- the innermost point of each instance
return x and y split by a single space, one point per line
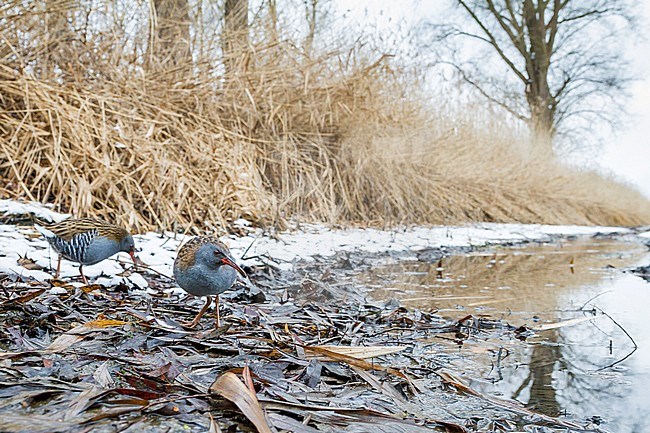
198 316
83 277
216 300
58 268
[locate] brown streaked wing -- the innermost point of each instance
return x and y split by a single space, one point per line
71 227
113 232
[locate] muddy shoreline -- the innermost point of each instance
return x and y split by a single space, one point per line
116 359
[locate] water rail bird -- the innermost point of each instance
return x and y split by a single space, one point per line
86 241
204 267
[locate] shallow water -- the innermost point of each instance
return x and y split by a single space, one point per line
556 371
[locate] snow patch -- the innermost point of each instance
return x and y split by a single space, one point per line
645 235
13 207
284 249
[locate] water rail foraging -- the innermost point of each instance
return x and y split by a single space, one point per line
204 267
86 241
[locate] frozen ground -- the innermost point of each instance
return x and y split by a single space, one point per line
159 250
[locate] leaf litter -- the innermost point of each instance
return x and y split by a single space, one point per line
301 350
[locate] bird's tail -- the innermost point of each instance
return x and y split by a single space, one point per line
42 226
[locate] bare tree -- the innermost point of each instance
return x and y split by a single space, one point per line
60 37
272 21
170 33
235 31
317 17
311 6
563 53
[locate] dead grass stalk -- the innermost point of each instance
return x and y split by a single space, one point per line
335 137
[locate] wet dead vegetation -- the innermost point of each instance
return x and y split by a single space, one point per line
297 353
93 122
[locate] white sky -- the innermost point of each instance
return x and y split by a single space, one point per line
626 152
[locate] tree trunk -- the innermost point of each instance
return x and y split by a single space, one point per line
538 93
311 6
171 34
273 21
235 34
542 365
60 38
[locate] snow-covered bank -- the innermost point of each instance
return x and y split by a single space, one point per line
158 251
645 235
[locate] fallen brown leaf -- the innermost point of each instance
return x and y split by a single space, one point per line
30 264
334 356
91 288
63 341
359 352
105 323
231 388
24 298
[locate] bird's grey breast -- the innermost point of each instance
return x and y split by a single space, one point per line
100 248
202 281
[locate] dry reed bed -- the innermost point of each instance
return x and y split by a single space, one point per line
287 136
149 157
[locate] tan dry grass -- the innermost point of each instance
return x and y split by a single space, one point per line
337 138
483 174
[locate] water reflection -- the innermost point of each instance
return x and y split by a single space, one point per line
543 363
554 372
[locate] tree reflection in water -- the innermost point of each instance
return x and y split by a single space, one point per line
544 360
554 372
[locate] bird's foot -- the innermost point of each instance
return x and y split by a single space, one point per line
189 325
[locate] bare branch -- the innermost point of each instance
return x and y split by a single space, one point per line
596 13
494 42
516 38
566 52
483 92
552 25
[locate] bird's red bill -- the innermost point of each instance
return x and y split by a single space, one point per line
136 260
227 261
